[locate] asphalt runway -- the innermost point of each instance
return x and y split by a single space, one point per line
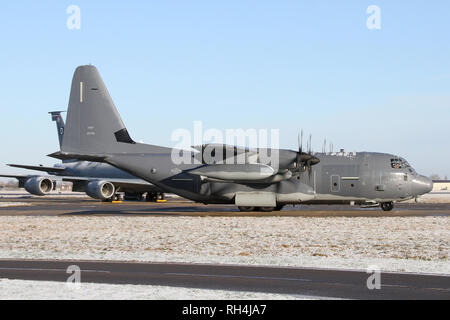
324 283
69 205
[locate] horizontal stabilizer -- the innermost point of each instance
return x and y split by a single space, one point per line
71 156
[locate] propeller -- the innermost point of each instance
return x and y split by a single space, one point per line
304 160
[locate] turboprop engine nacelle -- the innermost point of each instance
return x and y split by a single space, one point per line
101 190
38 186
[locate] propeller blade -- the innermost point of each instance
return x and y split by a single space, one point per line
309 144
304 160
309 169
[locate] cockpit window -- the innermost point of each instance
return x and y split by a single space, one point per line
399 163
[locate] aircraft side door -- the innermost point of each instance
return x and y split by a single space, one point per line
335 181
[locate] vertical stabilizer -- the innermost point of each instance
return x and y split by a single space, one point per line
56 116
93 125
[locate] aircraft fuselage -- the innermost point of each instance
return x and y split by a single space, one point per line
339 178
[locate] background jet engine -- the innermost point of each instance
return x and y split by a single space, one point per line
101 190
38 186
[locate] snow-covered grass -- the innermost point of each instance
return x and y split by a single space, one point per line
413 244
50 290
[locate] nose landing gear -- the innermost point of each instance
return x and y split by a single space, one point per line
387 206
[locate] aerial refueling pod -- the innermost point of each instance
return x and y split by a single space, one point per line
235 172
101 190
38 186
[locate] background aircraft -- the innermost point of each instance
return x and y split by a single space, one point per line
94 131
99 180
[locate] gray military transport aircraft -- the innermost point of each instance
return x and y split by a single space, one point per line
95 132
98 180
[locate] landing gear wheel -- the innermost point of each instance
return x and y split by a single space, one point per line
133 196
160 196
117 197
265 209
151 197
387 206
246 209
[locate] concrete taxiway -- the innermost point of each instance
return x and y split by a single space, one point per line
20 204
328 283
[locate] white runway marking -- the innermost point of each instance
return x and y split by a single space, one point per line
237 277
40 269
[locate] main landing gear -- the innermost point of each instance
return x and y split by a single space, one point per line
133 196
387 206
115 197
154 196
138 196
262 209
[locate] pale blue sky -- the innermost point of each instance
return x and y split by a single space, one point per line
236 64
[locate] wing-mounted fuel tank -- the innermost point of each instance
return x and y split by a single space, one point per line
39 186
241 173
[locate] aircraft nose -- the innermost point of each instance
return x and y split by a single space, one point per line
422 185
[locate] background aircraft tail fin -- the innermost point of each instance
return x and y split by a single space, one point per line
56 116
93 125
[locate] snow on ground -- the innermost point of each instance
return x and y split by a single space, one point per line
9 194
52 290
413 244
14 204
435 197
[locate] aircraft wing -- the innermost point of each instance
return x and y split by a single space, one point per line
18 177
39 168
137 184
227 151
226 148
23 178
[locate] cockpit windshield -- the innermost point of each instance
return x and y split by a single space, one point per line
399 163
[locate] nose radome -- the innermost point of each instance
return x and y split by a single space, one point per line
422 185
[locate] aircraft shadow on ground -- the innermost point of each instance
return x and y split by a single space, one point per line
233 211
152 211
